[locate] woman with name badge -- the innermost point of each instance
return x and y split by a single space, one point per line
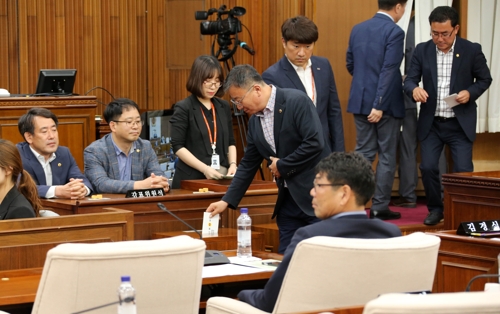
18 192
202 128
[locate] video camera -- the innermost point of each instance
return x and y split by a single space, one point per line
230 25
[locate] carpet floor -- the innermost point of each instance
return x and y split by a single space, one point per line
409 216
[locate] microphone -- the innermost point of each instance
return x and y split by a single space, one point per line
162 207
247 48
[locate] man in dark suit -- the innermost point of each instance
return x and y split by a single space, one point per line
374 55
447 65
285 130
300 70
343 185
51 166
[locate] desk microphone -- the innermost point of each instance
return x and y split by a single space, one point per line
212 257
162 207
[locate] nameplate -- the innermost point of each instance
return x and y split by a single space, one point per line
481 228
145 193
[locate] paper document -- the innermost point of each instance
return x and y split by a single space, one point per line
210 225
451 100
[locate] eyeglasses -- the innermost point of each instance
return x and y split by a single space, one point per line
130 123
318 185
443 35
212 84
237 103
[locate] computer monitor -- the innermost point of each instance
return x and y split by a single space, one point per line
156 129
55 82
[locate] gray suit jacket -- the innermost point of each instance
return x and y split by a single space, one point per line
101 165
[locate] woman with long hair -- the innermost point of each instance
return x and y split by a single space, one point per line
18 193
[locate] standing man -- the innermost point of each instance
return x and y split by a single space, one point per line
374 56
343 185
121 161
299 69
284 130
51 166
447 65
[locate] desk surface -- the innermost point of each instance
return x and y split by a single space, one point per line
20 286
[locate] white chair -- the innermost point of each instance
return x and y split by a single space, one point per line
166 274
440 303
330 272
47 213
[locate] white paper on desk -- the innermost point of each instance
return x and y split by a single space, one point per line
228 270
451 100
210 225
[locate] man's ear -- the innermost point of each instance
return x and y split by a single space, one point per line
28 137
346 194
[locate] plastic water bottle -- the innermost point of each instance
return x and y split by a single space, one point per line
244 223
126 294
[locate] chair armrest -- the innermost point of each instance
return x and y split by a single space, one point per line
223 305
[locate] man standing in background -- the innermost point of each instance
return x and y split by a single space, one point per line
374 56
299 69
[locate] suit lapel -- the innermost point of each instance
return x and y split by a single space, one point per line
56 167
35 165
457 60
110 147
198 117
292 74
279 109
317 75
433 65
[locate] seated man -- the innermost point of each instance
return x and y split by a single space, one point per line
121 161
344 183
51 166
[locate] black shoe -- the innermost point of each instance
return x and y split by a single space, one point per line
384 214
433 218
403 202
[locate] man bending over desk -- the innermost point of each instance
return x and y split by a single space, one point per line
121 161
51 166
344 183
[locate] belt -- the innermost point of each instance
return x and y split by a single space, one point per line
444 119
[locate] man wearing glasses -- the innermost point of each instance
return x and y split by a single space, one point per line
448 66
344 183
121 161
286 131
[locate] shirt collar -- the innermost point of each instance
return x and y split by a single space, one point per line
297 68
451 49
40 157
118 151
343 214
380 12
270 102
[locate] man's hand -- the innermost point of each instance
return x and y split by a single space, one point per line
216 208
375 115
74 189
274 166
420 95
159 182
463 97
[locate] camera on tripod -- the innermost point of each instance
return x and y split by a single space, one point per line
230 25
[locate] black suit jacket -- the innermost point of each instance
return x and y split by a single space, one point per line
190 131
353 226
282 74
300 145
469 72
15 205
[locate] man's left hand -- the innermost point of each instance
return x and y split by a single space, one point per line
274 166
463 97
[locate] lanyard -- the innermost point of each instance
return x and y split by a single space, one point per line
312 84
213 141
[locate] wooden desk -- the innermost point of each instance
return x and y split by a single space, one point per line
470 196
20 289
76 115
149 219
461 258
225 240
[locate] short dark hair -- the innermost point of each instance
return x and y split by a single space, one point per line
242 76
203 68
115 108
389 4
299 29
26 122
351 169
443 14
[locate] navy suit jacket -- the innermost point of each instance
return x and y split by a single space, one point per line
374 55
282 74
190 131
468 72
352 226
15 205
63 167
300 145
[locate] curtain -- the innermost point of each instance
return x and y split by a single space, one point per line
482 24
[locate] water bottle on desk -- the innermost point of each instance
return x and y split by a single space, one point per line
244 223
126 294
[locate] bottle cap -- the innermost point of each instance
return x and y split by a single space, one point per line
244 210
125 278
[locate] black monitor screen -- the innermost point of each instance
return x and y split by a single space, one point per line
156 129
56 82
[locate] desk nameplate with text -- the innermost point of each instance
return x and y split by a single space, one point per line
481 228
